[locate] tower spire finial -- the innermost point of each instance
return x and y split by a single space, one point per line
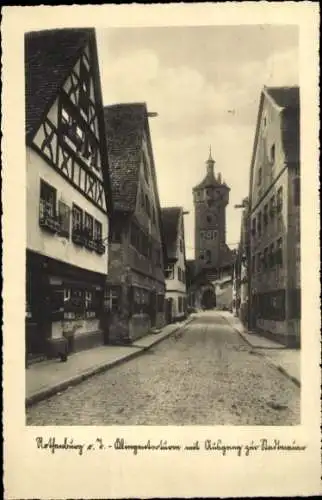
210 163
210 157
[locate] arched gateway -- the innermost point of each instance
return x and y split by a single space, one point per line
208 298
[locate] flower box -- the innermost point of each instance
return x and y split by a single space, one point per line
100 248
78 238
49 223
90 244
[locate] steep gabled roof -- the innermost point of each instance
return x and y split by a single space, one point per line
125 124
49 57
170 217
285 97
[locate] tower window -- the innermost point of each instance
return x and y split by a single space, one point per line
209 218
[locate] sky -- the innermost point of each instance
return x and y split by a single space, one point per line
204 82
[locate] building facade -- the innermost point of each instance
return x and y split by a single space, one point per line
240 306
136 283
274 216
68 200
175 265
213 258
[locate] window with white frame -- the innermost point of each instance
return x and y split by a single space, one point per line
169 272
77 218
48 196
97 230
88 225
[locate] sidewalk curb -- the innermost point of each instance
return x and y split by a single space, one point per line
269 361
77 379
157 341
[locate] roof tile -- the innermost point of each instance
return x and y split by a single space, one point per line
124 124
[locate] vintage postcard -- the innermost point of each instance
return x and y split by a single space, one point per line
161 293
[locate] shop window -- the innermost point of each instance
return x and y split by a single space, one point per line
169 272
88 299
141 300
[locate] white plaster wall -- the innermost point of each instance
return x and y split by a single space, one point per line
175 305
51 245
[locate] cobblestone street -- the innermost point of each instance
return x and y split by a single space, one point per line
204 374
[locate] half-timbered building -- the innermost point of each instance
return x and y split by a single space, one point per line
68 194
136 275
